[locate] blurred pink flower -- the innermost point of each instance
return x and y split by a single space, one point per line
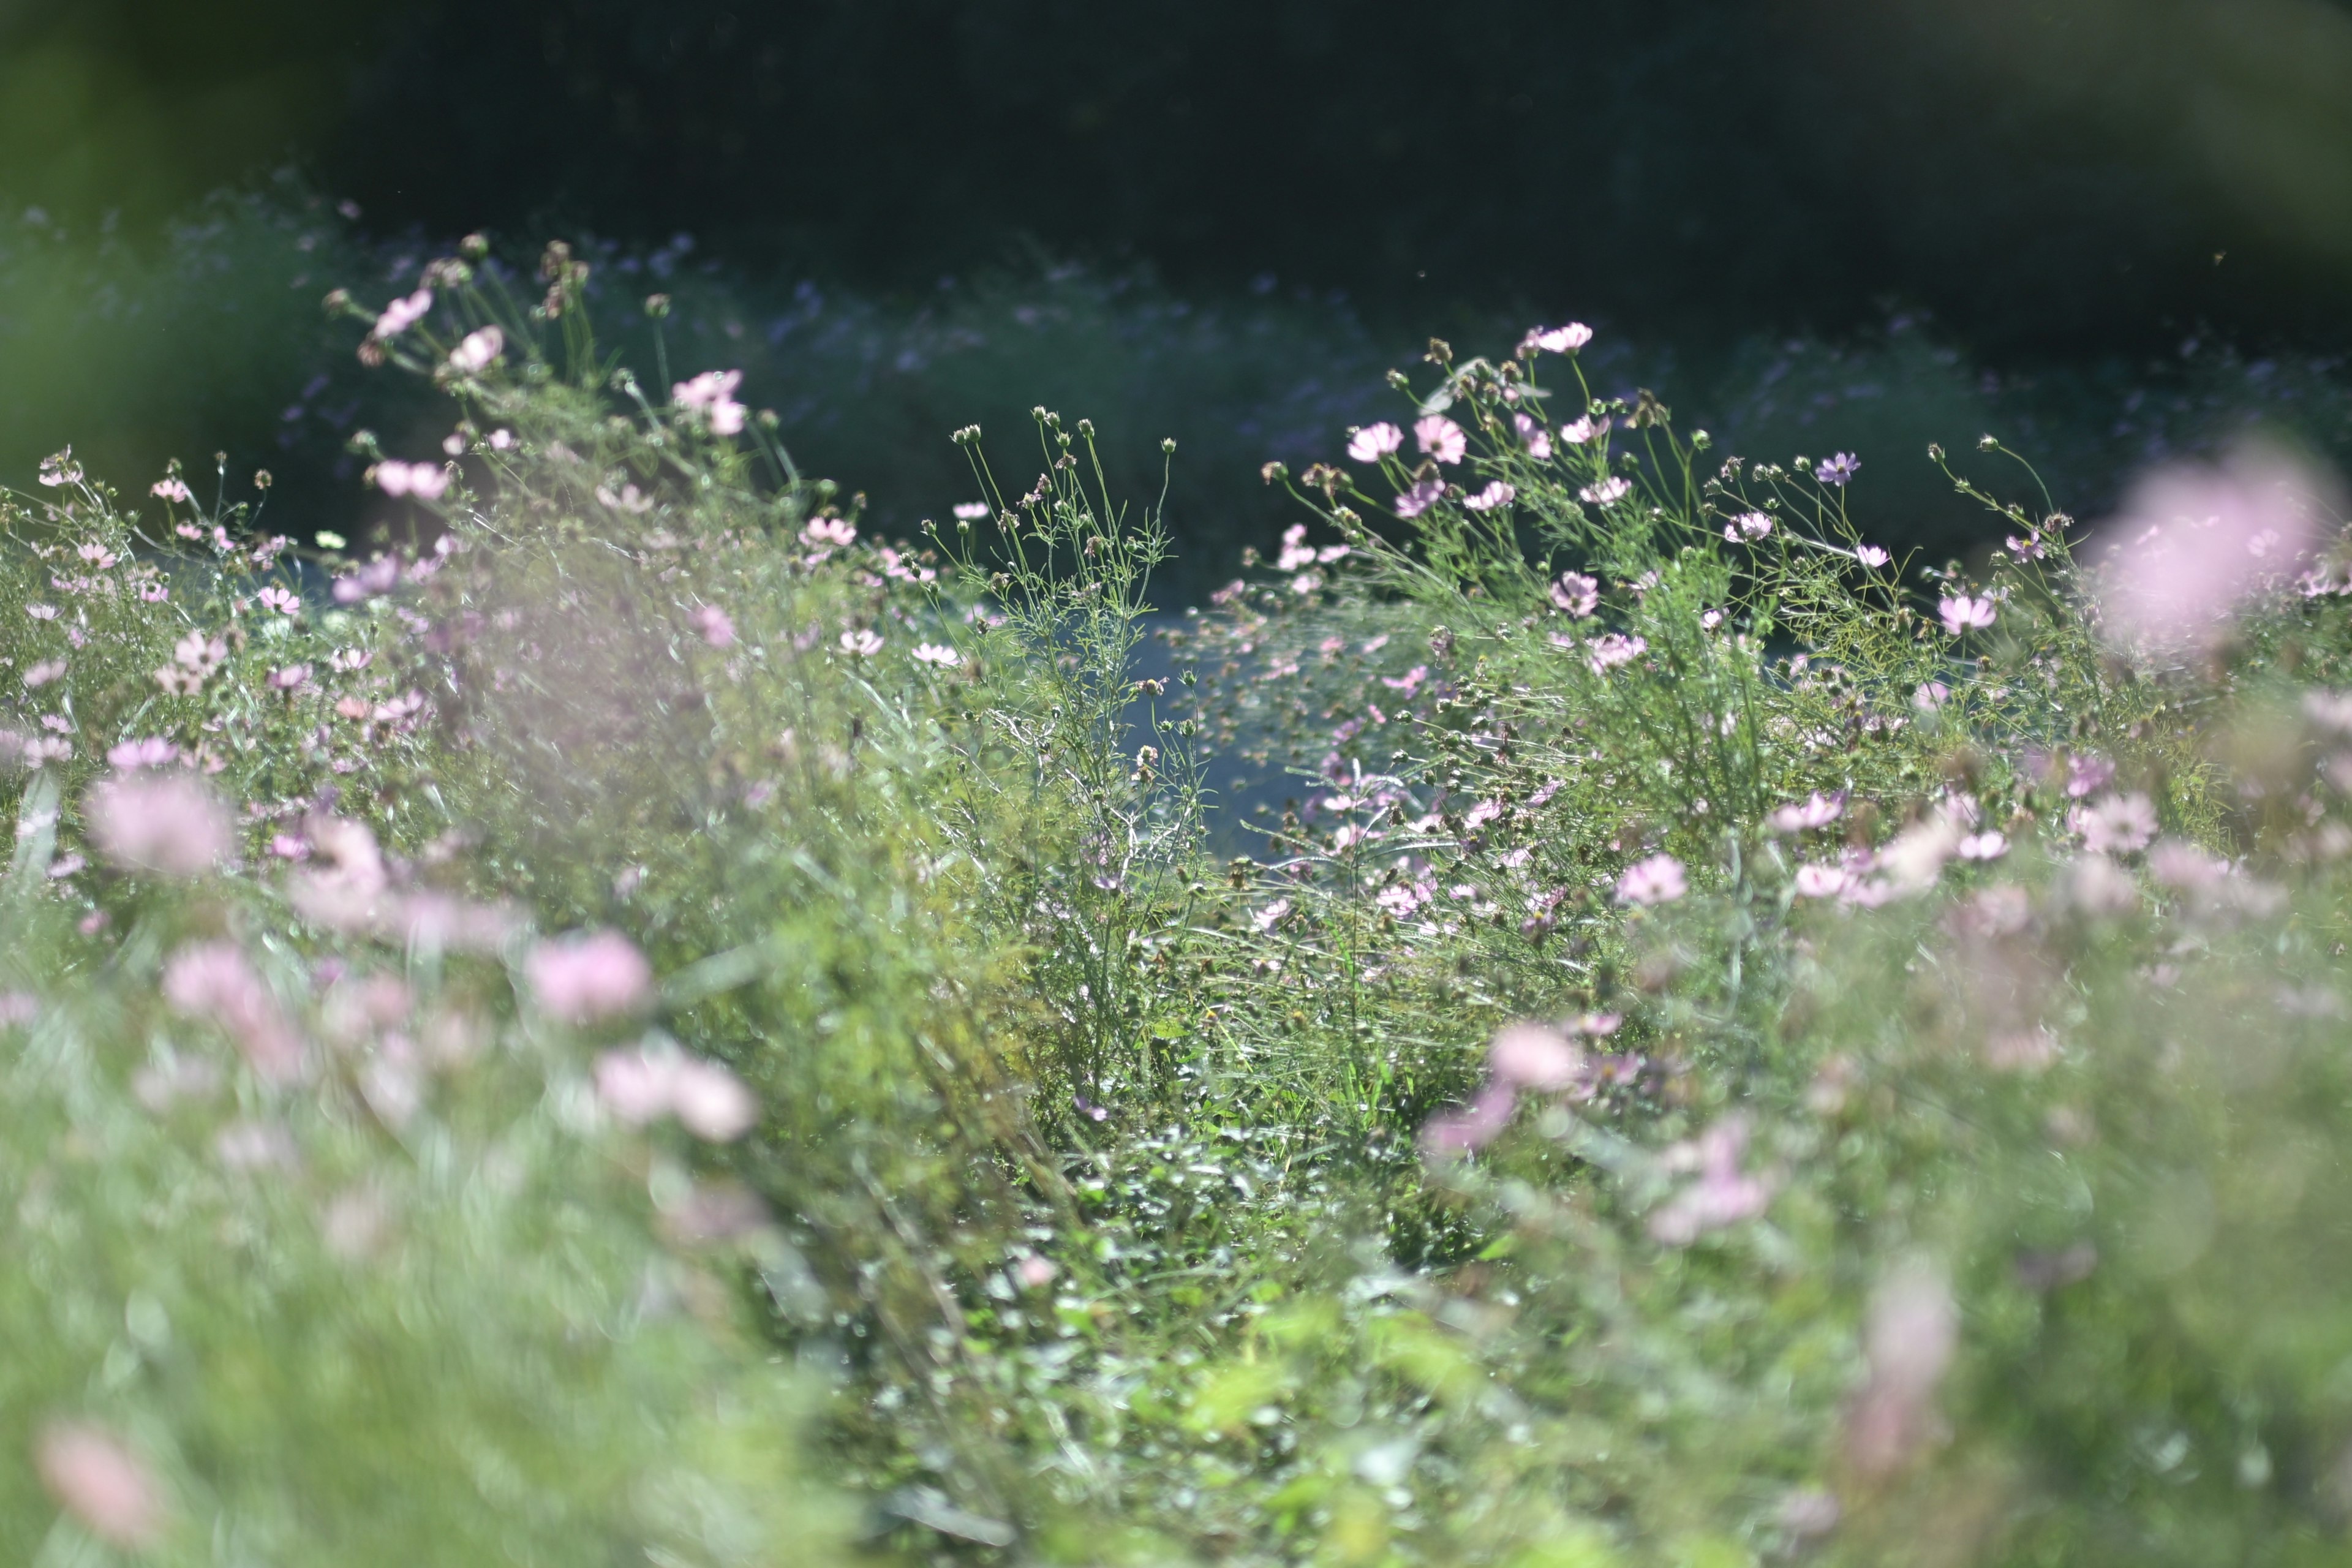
1608 492
1420 498
932 653
2192 543
835 532
1962 614
43 673
1747 525
589 975
170 489
95 1477
714 625
478 350
1989 844
1656 880
288 678
1817 810
402 314
169 824
1457 1131
1440 437
425 481
1576 594
154 752
1584 428
1560 340
1373 442
712 394
1908 1337
643 1085
2087 774
861 644
1534 1056
1871 555
1531 431
1613 648
1723 1193
1822 882
1034 1272
2116 823
213 980
1496 494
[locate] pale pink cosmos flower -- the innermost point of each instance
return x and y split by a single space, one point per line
1459 1132
214 980
1723 1195
712 396
1747 525
1534 1056
1608 492
1440 437
2087 774
1817 810
1908 1337
1496 494
1420 498
1560 340
2116 823
1989 844
1373 442
107 1489
1822 882
1962 613
283 600
2330 710
970 511
1871 555
2192 543
1577 594
643 1085
41 674
717 627
154 752
589 975
289 677
1614 649
1531 431
1656 880
41 612
1295 551
830 533
1034 1273
171 825
861 644
1478 816
402 314
425 481
170 489
935 654
478 350
1585 428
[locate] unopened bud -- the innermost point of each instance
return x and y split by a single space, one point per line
658 306
1168 444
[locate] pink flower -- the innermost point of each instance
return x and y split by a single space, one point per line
1989 844
288 678
1496 494
1420 498
1478 816
2087 774
643 1085
1564 340
1822 882
1871 555
213 980
1908 1338
170 489
95 1477
2192 543
169 826
1440 437
716 628
1576 594
1608 492
1034 1273
1817 810
1373 442
425 481
1614 649
1459 1132
2117 824
861 644
1656 880
1722 1196
1534 1056
1409 682
41 674
41 612
1585 428
970 511
152 752
478 350
830 533
402 314
589 975
1747 525
1962 613
932 653
712 396
279 599
1295 551
1531 431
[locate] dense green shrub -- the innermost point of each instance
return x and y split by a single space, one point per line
1742 1047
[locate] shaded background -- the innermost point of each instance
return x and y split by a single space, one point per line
2113 228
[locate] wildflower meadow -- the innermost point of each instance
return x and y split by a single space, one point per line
643 1015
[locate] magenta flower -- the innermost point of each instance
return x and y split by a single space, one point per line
1496 494
585 976
1373 442
1531 431
1420 498
1576 594
107 1489
1608 492
1656 880
1962 613
169 826
1440 437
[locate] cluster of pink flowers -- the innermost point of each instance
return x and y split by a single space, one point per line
2193 543
711 396
643 1085
588 976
